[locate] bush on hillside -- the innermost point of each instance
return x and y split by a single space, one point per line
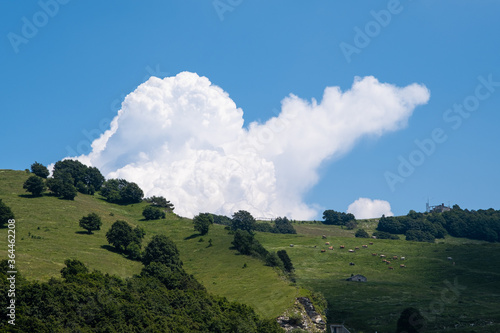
5 214
35 185
361 233
121 235
91 222
384 235
153 213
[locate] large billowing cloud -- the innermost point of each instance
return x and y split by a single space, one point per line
183 138
365 208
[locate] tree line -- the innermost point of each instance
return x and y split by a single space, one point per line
332 217
426 227
71 177
280 225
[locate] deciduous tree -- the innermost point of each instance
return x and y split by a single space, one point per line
91 222
35 185
202 222
163 250
40 170
243 220
152 213
121 235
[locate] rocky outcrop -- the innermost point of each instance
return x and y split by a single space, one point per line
303 316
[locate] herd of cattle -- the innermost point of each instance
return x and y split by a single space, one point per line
383 256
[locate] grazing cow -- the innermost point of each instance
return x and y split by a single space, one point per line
351 264
365 246
387 262
402 266
357 247
394 257
323 236
450 258
374 254
402 258
330 248
382 256
323 250
327 243
351 250
342 246
390 267
371 243
291 245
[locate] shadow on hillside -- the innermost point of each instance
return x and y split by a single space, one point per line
81 232
29 196
192 236
232 248
115 203
110 249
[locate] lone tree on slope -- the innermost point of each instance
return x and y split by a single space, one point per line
91 222
35 185
202 222
121 236
153 213
163 250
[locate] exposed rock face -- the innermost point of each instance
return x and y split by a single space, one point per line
303 316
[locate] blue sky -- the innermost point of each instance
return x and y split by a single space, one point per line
66 67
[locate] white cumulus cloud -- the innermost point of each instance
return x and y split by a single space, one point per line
183 138
365 208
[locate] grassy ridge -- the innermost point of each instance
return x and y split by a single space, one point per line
47 233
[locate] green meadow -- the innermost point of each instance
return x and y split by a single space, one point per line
47 233
457 295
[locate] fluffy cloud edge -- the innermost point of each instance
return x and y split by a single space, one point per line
366 208
196 151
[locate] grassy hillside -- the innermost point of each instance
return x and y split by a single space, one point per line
47 233
470 305
460 297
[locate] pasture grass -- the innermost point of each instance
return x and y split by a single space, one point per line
469 305
47 233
